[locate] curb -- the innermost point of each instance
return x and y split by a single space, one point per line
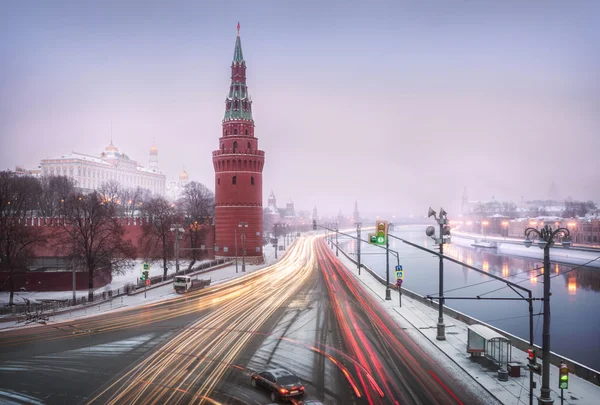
195 273
96 303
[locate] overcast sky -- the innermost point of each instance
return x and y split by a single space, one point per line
398 105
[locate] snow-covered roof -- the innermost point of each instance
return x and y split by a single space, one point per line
81 156
486 333
147 170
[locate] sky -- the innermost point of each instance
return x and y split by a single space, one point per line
397 105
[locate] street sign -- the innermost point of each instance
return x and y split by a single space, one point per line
399 282
146 266
399 272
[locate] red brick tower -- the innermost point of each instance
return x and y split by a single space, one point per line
238 172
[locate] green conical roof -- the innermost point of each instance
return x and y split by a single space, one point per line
238 56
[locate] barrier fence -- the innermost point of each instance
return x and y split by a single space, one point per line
46 306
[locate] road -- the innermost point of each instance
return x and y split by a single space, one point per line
305 313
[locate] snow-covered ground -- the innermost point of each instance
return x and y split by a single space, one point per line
420 320
164 292
130 277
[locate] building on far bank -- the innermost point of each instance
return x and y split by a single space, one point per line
89 172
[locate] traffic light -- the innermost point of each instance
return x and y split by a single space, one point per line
314 224
563 382
372 239
531 356
145 275
381 232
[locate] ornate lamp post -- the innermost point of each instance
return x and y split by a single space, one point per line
545 241
444 237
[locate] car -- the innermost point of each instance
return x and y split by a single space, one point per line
310 402
279 382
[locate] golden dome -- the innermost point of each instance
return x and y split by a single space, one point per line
183 175
153 149
111 148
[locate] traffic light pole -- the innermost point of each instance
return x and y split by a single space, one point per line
388 293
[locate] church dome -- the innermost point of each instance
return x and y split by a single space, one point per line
183 175
153 149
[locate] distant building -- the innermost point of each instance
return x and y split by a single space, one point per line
89 172
356 215
21 171
315 214
272 212
175 187
290 212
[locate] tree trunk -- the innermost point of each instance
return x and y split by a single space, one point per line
164 259
90 284
11 283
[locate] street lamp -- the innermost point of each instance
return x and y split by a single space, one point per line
442 220
243 225
178 229
505 225
546 240
485 224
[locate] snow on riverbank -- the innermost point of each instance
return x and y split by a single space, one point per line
559 254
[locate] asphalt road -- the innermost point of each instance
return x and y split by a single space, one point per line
304 314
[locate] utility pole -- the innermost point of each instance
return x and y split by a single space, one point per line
388 293
358 243
177 228
545 241
236 249
243 225
336 240
73 268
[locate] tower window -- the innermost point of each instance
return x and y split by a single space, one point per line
235 131
218 181
252 180
249 147
222 148
234 146
234 180
246 132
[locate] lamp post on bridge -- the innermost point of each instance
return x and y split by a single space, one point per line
545 241
442 221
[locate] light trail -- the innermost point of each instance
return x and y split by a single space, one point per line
189 366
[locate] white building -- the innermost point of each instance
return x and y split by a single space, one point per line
174 188
89 172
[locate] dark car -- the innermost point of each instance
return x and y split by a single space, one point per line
281 383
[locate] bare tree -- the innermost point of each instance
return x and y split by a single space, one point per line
111 192
132 201
17 200
157 239
93 238
197 207
53 192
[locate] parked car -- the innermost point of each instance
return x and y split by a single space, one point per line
279 382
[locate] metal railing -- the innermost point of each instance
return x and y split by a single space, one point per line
26 307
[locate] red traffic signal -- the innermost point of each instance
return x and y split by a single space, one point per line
531 355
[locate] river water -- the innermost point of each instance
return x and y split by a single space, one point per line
575 300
